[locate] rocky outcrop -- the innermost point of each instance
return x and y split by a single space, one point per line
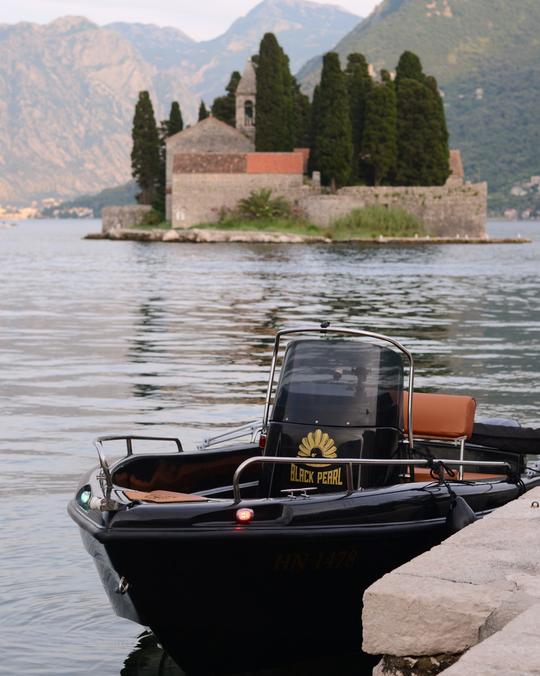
206 236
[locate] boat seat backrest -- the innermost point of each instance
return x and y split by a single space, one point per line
440 416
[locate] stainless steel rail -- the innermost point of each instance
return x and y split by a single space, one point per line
128 438
349 332
236 433
350 462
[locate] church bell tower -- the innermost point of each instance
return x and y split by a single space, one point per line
246 97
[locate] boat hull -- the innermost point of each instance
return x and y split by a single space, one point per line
221 601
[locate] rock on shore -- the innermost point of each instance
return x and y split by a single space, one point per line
199 235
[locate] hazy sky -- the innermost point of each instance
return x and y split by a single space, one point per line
200 20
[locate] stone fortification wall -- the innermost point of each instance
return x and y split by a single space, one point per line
446 211
199 198
126 217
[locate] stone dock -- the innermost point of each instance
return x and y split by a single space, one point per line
468 607
200 235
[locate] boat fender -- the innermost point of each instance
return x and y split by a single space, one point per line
460 515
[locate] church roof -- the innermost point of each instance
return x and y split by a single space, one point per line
209 136
248 83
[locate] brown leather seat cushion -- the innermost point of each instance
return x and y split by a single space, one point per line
164 497
423 474
441 415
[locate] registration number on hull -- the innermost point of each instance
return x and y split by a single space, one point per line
299 562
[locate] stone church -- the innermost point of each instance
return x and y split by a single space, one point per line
211 165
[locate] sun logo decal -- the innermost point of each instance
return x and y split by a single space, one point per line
317 445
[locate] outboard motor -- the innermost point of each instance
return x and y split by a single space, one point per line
336 398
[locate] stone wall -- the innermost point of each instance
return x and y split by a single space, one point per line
477 590
446 211
199 198
123 217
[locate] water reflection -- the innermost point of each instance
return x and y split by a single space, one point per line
149 659
114 337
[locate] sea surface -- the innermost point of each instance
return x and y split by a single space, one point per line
108 337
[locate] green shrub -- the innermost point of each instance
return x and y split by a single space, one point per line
153 218
261 205
376 221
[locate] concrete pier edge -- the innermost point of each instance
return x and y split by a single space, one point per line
467 607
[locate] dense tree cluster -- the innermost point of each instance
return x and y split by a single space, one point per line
396 127
359 130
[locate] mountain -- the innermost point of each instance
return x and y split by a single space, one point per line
68 88
303 29
67 92
486 57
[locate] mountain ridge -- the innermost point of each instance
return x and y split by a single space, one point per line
68 88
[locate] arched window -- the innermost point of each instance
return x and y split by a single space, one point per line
249 114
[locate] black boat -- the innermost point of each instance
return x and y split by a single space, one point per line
260 551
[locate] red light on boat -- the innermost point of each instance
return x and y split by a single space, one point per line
262 441
244 515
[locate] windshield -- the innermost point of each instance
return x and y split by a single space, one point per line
339 383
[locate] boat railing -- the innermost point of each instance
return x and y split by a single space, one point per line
437 465
129 439
252 429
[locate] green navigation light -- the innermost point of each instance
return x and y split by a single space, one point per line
85 498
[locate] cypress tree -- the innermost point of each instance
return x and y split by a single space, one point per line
409 68
379 146
302 117
145 154
413 126
334 135
315 117
385 75
440 152
423 154
224 107
175 123
275 111
289 129
203 112
359 84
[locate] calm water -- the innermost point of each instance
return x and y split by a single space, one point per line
104 337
